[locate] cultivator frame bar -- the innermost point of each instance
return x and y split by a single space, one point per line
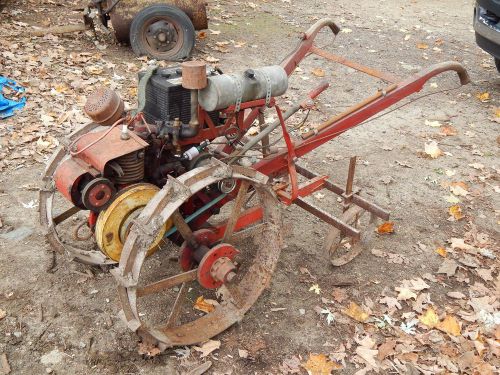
285 162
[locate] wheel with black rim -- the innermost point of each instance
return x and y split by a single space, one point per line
162 32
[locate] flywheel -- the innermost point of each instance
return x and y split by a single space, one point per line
114 223
221 269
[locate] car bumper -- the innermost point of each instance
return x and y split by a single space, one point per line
487 26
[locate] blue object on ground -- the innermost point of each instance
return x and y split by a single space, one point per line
7 106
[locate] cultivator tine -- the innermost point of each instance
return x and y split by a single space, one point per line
326 217
356 199
349 184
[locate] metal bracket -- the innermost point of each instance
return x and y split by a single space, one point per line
239 93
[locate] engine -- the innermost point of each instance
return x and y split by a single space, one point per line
115 169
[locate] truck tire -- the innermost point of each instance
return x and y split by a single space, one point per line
162 32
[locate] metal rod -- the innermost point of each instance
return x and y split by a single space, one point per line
65 215
356 199
167 283
197 213
235 214
326 217
289 113
350 181
176 309
349 111
354 65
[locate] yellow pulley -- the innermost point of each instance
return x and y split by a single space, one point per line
113 224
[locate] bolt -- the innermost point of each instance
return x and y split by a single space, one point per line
162 37
230 276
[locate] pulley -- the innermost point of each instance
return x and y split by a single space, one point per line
97 194
113 224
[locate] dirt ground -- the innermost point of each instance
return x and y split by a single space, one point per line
66 321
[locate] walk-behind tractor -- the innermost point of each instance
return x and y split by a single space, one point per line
165 197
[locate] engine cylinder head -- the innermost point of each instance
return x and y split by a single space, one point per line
104 106
132 166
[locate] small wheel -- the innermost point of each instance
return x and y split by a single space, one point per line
162 32
343 249
497 64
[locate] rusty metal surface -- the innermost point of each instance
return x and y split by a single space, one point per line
194 75
109 148
327 218
123 14
334 239
113 224
356 199
243 292
354 65
50 221
104 106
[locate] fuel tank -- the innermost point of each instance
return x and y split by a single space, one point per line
225 90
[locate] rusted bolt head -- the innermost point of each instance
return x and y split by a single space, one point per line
230 276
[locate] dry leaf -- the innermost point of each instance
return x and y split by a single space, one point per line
477 166
458 190
386 349
483 96
319 364
339 295
456 212
243 353
434 124
429 318
456 295
452 199
202 305
391 302
318 72
386 228
448 267
3 314
148 350
368 355
405 294
207 347
202 35
449 325
448 130
422 46
459 243
432 149
356 312
315 288
442 251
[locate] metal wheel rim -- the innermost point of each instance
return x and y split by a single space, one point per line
252 284
153 51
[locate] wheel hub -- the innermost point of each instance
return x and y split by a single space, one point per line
97 194
217 267
187 258
161 35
